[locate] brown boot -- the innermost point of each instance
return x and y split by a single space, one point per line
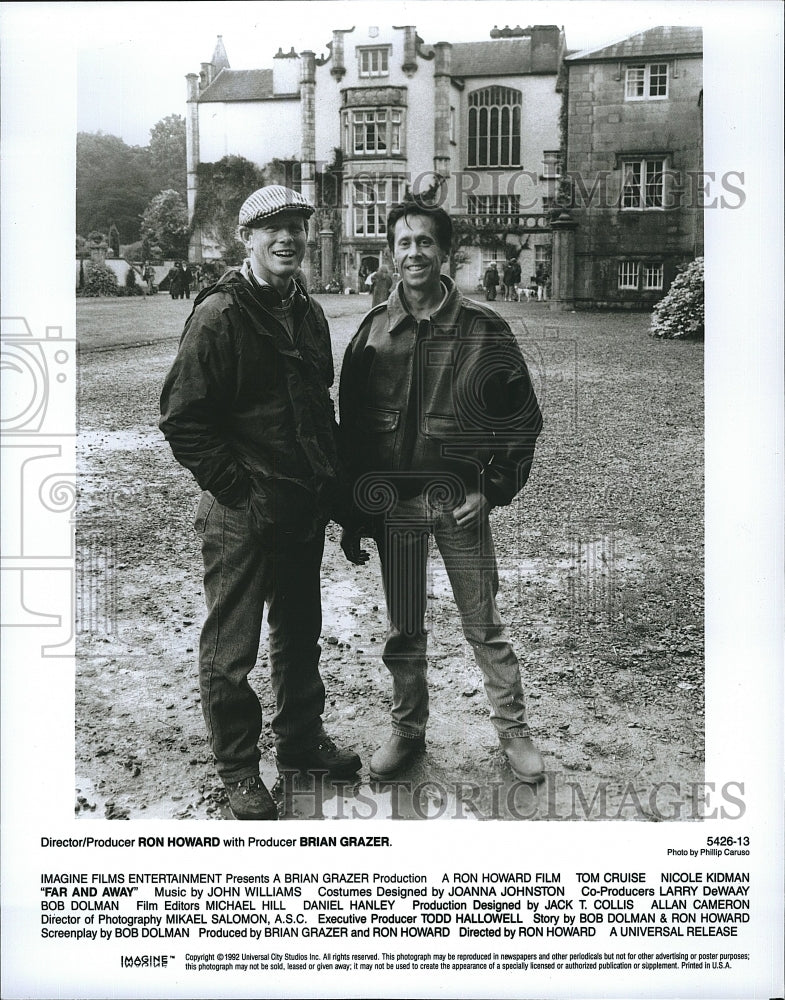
393 756
249 799
525 759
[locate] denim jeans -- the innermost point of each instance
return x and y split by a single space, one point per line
240 577
470 561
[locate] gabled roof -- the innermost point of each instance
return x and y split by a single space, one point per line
241 85
511 55
500 57
663 41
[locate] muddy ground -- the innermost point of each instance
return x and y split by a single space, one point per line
601 586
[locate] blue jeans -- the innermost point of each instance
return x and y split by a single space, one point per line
470 561
240 576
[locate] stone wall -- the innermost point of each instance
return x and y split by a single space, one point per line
603 129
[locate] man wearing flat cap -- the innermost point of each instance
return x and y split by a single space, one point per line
246 408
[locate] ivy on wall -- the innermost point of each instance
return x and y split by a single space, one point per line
221 189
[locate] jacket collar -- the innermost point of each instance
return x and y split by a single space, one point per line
445 316
271 296
257 298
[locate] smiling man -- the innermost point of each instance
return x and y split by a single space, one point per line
438 425
246 408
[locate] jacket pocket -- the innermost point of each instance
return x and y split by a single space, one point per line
441 427
377 437
281 506
375 421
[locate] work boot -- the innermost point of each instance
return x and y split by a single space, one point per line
525 759
249 799
326 757
394 756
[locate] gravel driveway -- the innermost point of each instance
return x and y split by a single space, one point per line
601 564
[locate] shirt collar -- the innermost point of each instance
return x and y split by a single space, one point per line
247 272
445 314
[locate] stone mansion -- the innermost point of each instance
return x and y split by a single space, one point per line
574 163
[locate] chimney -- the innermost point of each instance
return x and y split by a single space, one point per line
338 68
546 48
286 72
409 50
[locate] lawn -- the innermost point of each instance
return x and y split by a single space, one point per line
107 323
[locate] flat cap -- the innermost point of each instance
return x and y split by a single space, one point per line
271 200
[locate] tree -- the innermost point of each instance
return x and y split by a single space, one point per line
165 224
222 188
168 154
113 183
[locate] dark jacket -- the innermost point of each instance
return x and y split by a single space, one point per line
249 412
512 273
491 279
445 400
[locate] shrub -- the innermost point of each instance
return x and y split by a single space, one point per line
99 280
132 286
680 313
114 240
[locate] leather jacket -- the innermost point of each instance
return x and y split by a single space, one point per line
246 408
446 400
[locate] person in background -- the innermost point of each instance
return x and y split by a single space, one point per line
362 275
507 282
148 275
246 408
514 279
185 280
381 285
491 281
175 280
542 284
